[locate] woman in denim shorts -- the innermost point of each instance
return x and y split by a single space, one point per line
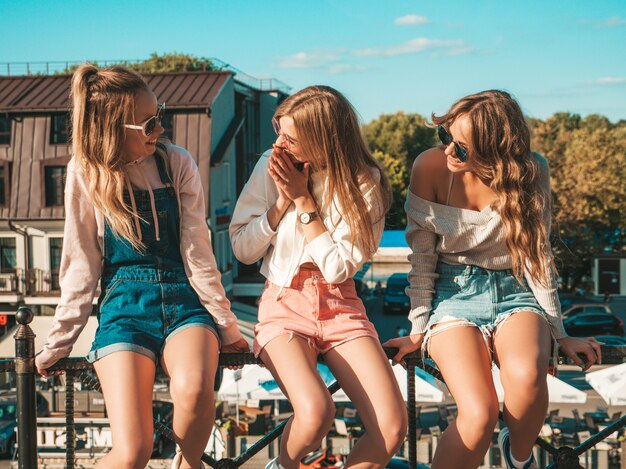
135 220
314 211
482 284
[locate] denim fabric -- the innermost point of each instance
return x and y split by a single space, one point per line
480 296
146 295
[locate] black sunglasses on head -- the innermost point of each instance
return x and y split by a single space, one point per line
446 139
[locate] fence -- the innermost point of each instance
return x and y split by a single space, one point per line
23 366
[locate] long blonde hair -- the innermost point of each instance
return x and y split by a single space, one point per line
329 134
500 155
103 100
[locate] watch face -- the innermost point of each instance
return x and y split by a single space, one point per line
305 218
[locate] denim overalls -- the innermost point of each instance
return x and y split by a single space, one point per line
146 296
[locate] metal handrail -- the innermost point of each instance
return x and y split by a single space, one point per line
24 367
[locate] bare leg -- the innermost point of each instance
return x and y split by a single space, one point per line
293 363
364 373
464 361
190 358
522 347
127 379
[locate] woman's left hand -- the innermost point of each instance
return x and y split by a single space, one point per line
589 347
292 182
241 346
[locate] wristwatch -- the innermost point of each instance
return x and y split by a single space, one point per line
306 217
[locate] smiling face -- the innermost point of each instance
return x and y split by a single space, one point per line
287 138
136 145
461 132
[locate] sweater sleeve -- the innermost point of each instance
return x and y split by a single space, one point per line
196 250
547 296
250 231
80 270
422 240
334 252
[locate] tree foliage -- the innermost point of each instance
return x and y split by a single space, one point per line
395 141
588 174
165 63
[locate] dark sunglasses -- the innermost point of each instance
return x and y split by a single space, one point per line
446 139
147 127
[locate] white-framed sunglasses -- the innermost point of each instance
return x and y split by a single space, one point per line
147 126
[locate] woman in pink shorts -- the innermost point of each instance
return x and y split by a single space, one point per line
313 210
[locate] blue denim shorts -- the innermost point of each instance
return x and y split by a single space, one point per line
473 296
142 308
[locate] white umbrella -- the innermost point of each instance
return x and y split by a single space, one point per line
610 383
258 383
426 387
558 390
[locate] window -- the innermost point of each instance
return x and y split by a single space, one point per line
59 129
168 124
5 130
56 246
5 182
54 180
8 263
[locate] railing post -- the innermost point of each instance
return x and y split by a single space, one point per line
26 400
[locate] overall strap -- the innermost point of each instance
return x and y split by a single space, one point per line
163 165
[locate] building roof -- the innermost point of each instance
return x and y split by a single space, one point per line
46 93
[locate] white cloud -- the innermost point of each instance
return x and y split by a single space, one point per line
411 20
607 81
609 23
415 46
316 58
346 68
331 60
341 60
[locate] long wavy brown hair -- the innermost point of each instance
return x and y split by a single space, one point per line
329 134
103 100
500 155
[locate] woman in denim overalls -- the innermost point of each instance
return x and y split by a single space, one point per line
135 219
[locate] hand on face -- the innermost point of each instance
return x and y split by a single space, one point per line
290 182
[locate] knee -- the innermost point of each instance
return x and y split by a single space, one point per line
192 392
524 379
479 421
393 428
133 456
314 419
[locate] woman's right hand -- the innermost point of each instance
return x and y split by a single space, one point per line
42 368
405 345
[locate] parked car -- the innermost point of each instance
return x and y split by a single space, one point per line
612 340
395 299
586 324
568 300
586 308
8 420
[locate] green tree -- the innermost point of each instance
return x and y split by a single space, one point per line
168 62
588 169
395 141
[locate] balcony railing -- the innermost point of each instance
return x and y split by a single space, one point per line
564 457
43 283
10 283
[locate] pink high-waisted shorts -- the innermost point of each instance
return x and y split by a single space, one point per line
325 314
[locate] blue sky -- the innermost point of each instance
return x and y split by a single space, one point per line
385 55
